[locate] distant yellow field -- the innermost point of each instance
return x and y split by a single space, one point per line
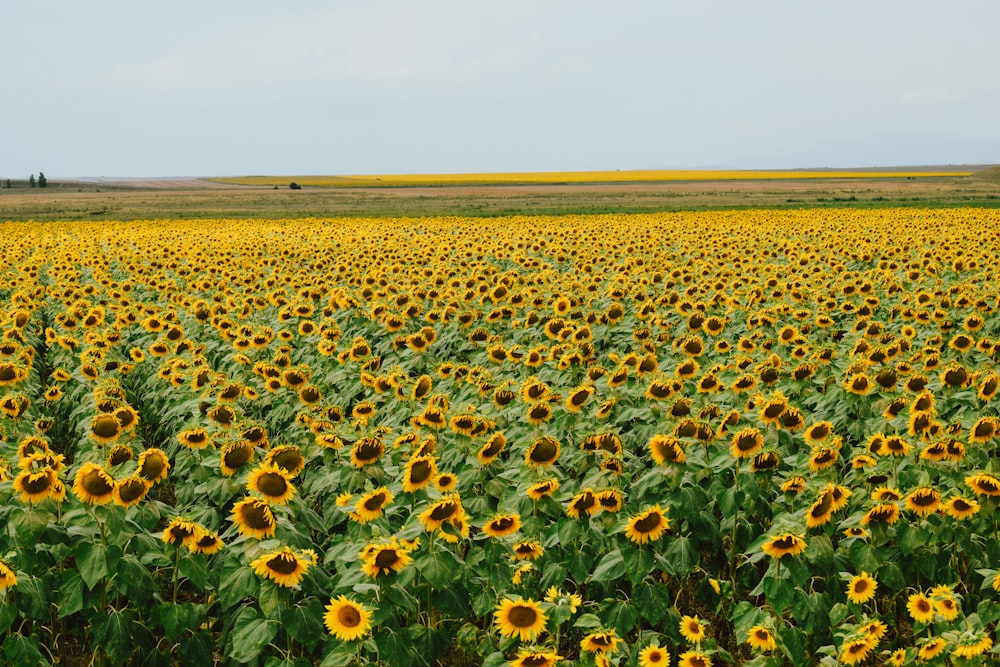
555 177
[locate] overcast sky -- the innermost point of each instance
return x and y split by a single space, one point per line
234 87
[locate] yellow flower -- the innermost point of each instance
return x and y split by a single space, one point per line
347 620
284 567
861 588
692 630
761 638
523 619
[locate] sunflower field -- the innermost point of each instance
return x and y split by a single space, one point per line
746 437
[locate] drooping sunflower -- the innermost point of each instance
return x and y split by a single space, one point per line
93 485
692 629
973 647
887 513
585 502
367 451
502 525
180 531
823 458
204 542
602 641
35 485
543 452
492 449
528 550
7 576
130 491
786 544
385 558
346 619
959 508
533 657
761 639
855 650
746 443
694 659
984 484
253 518
666 449
418 472
540 489
153 465
649 525
861 588
923 501
372 505
272 483
524 619
931 648
287 458
104 428
283 566
448 508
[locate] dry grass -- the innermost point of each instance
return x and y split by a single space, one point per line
185 200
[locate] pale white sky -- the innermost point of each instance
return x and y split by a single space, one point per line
234 87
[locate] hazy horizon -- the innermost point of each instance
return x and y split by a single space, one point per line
122 89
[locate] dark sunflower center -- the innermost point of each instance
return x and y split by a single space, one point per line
648 523
375 502
542 451
106 426
257 516
984 430
272 484
283 564
420 472
786 542
746 442
196 438
443 511
132 489
602 640
38 482
860 587
502 524
96 483
386 558
584 502
522 616
960 505
924 498
349 617
238 455
659 390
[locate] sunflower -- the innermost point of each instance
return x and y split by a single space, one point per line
761 638
253 518
287 458
984 484
543 452
372 505
418 472
692 630
7 576
502 525
818 432
856 650
366 451
528 550
859 384
921 608
234 456
584 502
180 531
603 641
887 513
531 657
93 485
923 501
578 398
795 484
647 526
746 443
610 499
693 659
785 544
204 542
823 458
523 619
973 647
272 483
861 588
131 491
35 486
545 487
931 648
445 482
347 620
284 567
984 430
491 450
958 507
448 508
665 448
104 428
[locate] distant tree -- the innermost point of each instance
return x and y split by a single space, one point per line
31 181
9 186
42 181
294 186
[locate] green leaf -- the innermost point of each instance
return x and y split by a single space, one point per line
22 651
620 616
611 567
70 593
792 643
745 616
304 622
112 633
439 568
8 613
176 619
682 556
652 603
587 621
495 659
92 562
238 584
193 568
250 635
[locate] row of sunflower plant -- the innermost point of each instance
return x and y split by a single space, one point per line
750 437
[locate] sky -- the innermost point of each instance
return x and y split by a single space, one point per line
242 87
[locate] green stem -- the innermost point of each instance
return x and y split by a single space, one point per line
177 580
736 522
